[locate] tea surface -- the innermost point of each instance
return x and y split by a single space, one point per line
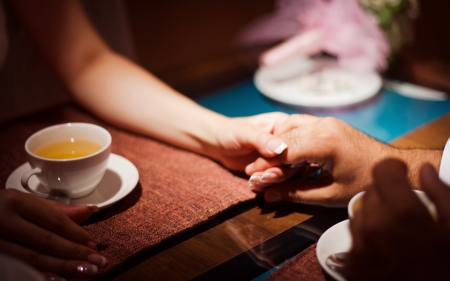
68 149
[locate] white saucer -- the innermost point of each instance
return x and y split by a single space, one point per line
300 83
120 178
336 239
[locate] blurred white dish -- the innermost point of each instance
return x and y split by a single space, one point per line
336 239
318 82
120 179
413 91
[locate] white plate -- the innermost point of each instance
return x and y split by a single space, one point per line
316 82
336 239
120 179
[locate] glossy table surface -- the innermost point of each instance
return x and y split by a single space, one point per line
250 240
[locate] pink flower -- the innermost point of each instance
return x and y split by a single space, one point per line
338 27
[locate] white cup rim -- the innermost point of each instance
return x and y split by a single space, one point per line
420 194
352 202
30 138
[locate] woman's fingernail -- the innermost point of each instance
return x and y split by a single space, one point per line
249 166
96 259
87 269
254 180
273 197
92 245
276 145
269 177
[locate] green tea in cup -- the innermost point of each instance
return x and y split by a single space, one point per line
68 159
68 149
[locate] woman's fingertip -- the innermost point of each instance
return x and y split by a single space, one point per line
249 167
268 177
93 207
92 245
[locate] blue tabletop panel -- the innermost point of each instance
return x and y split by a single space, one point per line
386 117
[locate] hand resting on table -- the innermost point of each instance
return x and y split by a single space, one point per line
58 245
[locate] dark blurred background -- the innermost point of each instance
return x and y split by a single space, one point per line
190 43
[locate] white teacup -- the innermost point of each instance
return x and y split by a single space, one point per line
356 202
69 158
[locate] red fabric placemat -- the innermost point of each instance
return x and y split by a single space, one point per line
177 189
304 266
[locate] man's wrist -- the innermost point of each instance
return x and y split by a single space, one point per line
415 158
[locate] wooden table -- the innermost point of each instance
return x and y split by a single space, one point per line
237 244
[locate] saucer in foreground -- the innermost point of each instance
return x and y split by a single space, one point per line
336 239
120 178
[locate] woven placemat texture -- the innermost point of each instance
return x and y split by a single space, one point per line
304 266
177 189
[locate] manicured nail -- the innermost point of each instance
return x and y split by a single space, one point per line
96 259
254 180
249 166
92 245
273 197
269 177
276 145
93 207
87 269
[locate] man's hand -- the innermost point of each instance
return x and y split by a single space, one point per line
344 155
394 236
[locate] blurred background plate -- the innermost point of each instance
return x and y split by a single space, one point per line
317 82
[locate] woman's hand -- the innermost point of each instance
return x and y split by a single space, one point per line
44 234
242 140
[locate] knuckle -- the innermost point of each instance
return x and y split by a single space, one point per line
298 118
330 121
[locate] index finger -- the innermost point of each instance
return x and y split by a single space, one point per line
36 210
391 182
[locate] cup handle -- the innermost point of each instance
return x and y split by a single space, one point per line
26 177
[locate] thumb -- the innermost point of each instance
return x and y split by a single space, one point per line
77 213
265 143
80 213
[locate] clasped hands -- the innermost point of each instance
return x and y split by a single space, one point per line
344 156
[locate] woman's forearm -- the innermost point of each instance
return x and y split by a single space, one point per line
126 95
